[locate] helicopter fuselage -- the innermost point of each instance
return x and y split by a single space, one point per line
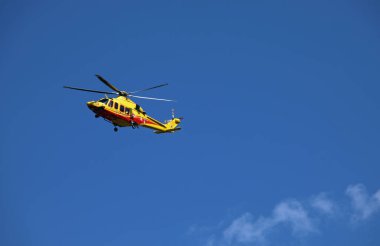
123 112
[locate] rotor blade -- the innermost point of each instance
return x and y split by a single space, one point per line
107 83
96 91
152 98
154 87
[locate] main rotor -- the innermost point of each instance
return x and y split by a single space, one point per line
119 92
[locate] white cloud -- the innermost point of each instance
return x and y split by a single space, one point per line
300 218
242 230
293 213
363 205
323 204
290 213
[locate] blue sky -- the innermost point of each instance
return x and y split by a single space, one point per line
280 142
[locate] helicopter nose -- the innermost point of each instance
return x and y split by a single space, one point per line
91 104
95 106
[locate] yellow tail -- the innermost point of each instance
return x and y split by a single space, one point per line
171 126
173 123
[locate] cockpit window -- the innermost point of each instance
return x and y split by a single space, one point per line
110 103
104 100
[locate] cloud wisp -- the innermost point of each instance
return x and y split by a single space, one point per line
291 213
323 204
364 206
301 218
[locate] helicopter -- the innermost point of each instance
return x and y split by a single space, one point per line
121 111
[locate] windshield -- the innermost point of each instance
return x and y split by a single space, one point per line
104 100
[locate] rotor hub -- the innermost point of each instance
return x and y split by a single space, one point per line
123 93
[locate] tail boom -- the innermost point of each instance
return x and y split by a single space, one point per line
170 126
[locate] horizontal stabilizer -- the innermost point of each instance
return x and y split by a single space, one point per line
168 131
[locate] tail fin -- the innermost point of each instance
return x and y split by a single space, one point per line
172 124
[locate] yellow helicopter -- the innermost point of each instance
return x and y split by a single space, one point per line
121 111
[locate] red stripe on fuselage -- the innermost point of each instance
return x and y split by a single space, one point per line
110 115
